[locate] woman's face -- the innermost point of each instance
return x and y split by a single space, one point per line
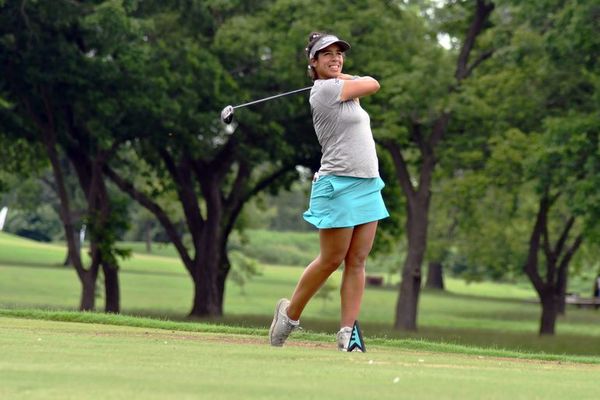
329 62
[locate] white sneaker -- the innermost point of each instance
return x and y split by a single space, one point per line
281 327
343 338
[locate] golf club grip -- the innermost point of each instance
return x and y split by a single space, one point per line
273 97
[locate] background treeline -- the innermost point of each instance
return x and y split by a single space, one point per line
487 125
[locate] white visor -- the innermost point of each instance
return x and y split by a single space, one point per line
325 41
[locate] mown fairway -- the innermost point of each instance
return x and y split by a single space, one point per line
67 360
485 314
480 342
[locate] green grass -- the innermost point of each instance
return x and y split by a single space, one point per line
475 341
260 334
69 360
157 249
487 315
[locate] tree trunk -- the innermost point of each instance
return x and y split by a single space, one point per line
91 180
562 291
211 272
417 209
406 308
435 276
208 290
111 288
86 277
148 237
223 272
558 256
410 287
209 265
88 292
208 294
68 261
549 313
49 120
418 197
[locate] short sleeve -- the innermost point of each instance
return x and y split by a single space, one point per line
329 92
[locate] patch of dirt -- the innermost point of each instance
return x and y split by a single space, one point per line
210 337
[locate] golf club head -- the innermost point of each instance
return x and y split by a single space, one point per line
227 115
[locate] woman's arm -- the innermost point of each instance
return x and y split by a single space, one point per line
355 87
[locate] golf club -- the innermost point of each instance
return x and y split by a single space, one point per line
227 112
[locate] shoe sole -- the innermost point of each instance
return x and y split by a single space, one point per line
275 319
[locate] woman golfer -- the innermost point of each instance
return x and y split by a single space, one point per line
345 202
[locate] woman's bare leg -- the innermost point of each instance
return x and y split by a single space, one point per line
334 244
353 278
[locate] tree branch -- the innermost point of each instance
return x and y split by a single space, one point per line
185 190
482 13
550 256
417 136
401 169
237 193
438 130
564 263
563 237
223 160
531 265
481 58
155 209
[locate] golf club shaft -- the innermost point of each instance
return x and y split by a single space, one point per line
273 97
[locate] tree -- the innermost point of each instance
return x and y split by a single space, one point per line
543 162
61 65
566 164
577 138
213 170
425 118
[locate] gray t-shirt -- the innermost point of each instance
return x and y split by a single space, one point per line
344 132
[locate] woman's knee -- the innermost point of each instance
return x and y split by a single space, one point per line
331 262
356 260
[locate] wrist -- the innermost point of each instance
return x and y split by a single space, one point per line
346 77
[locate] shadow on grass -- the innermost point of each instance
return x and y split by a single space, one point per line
470 297
30 264
459 296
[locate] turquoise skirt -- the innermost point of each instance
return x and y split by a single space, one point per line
345 201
